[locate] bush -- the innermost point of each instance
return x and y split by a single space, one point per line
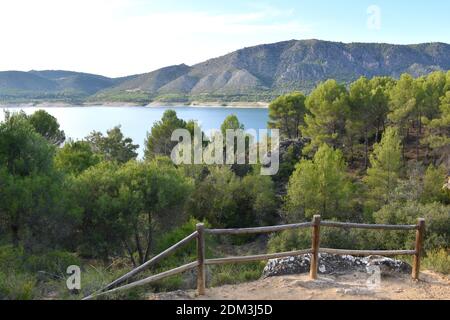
433 181
438 260
20 278
54 262
11 258
236 273
228 201
437 219
342 239
184 255
17 286
94 278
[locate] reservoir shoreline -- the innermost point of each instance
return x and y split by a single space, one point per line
212 104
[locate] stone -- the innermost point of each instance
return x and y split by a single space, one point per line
334 265
388 266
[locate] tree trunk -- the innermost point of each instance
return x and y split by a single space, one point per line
15 235
149 237
366 148
419 121
138 246
130 252
286 123
417 147
377 132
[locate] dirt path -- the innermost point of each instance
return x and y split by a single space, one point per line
345 287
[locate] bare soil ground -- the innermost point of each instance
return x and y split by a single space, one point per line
432 286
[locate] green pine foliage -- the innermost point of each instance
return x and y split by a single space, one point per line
383 175
319 186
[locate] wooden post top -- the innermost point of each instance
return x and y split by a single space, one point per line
200 226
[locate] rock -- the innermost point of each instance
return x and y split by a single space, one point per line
334 264
388 266
286 266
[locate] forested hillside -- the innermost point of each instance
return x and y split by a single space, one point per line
265 71
376 151
258 73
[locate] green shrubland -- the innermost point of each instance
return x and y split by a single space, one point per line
375 152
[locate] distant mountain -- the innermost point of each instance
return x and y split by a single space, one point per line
24 81
259 72
52 85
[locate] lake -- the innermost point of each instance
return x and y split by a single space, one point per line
78 122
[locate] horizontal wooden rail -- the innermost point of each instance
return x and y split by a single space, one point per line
367 252
150 262
259 229
314 251
367 226
148 280
260 257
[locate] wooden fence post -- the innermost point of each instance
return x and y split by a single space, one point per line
315 247
201 259
419 239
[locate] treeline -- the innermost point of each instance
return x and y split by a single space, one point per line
353 119
375 152
94 197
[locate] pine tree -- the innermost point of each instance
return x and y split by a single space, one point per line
159 142
386 163
319 186
407 107
287 113
328 108
438 137
369 106
360 122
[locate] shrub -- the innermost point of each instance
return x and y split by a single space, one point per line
433 181
54 262
438 260
184 255
341 239
11 258
228 201
437 219
19 277
17 286
236 273
96 277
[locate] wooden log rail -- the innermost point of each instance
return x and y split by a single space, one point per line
346 225
259 230
143 267
315 249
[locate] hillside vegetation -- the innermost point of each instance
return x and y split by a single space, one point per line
376 151
257 73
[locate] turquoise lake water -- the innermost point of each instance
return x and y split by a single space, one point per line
78 122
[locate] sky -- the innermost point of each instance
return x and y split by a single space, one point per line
123 37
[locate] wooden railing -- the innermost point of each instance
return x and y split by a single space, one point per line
315 249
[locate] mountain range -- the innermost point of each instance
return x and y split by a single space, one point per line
251 74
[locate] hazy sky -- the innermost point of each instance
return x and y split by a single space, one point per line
123 37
